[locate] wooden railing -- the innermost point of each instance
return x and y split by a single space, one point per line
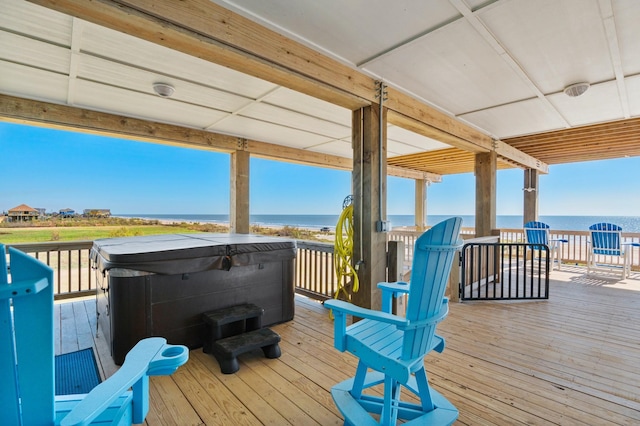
408 236
73 276
315 276
575 250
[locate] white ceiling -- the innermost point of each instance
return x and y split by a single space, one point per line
499 65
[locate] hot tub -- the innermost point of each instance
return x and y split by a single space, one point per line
160 285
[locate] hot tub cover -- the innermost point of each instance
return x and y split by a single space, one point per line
188 253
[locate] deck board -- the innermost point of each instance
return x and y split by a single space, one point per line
569 360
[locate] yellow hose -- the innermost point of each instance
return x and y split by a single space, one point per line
343 250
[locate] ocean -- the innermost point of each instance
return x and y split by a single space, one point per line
568 223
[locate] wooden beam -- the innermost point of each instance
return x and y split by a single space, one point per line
514 155
485 193
531 196
412 115
370 200
295 155
420 207
239 214
62 117
206 30
616 139
413 174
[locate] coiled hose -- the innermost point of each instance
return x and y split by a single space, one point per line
343 250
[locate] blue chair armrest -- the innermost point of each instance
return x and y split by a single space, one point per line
151 356
391 290
340 310
340 306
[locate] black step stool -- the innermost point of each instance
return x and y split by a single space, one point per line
236 330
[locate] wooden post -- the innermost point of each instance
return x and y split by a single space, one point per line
369 183
530 211
421 204
395 261
453 285
239 207
485 170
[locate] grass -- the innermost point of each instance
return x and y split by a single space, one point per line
81 233
93 229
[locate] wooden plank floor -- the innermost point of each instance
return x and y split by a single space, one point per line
571 360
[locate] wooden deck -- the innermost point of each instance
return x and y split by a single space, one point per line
571 360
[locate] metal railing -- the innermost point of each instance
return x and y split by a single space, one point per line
496 271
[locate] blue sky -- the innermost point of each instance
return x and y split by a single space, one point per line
54 169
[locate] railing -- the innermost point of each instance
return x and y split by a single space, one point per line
408 236
495 271
314 276
575 250
73 276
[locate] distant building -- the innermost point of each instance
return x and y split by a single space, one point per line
22 213
97 213
67 213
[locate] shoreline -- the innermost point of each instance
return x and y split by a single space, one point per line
170 222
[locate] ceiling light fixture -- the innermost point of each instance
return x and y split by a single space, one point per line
577 89
163 89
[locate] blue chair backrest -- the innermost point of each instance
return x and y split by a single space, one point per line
27 361
606 238
536 232
432 260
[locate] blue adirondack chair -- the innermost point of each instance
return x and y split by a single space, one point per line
27 359
607 248
538 233
394 347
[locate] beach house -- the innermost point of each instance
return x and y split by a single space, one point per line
417 89
96 212
22 213
66 212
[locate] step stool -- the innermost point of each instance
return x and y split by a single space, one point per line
235 330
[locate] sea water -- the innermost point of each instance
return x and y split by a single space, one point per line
568 223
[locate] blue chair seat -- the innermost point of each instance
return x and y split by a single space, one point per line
607 250
538 233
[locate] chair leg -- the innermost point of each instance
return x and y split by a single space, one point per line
424 390
389 415
626 268
358 380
